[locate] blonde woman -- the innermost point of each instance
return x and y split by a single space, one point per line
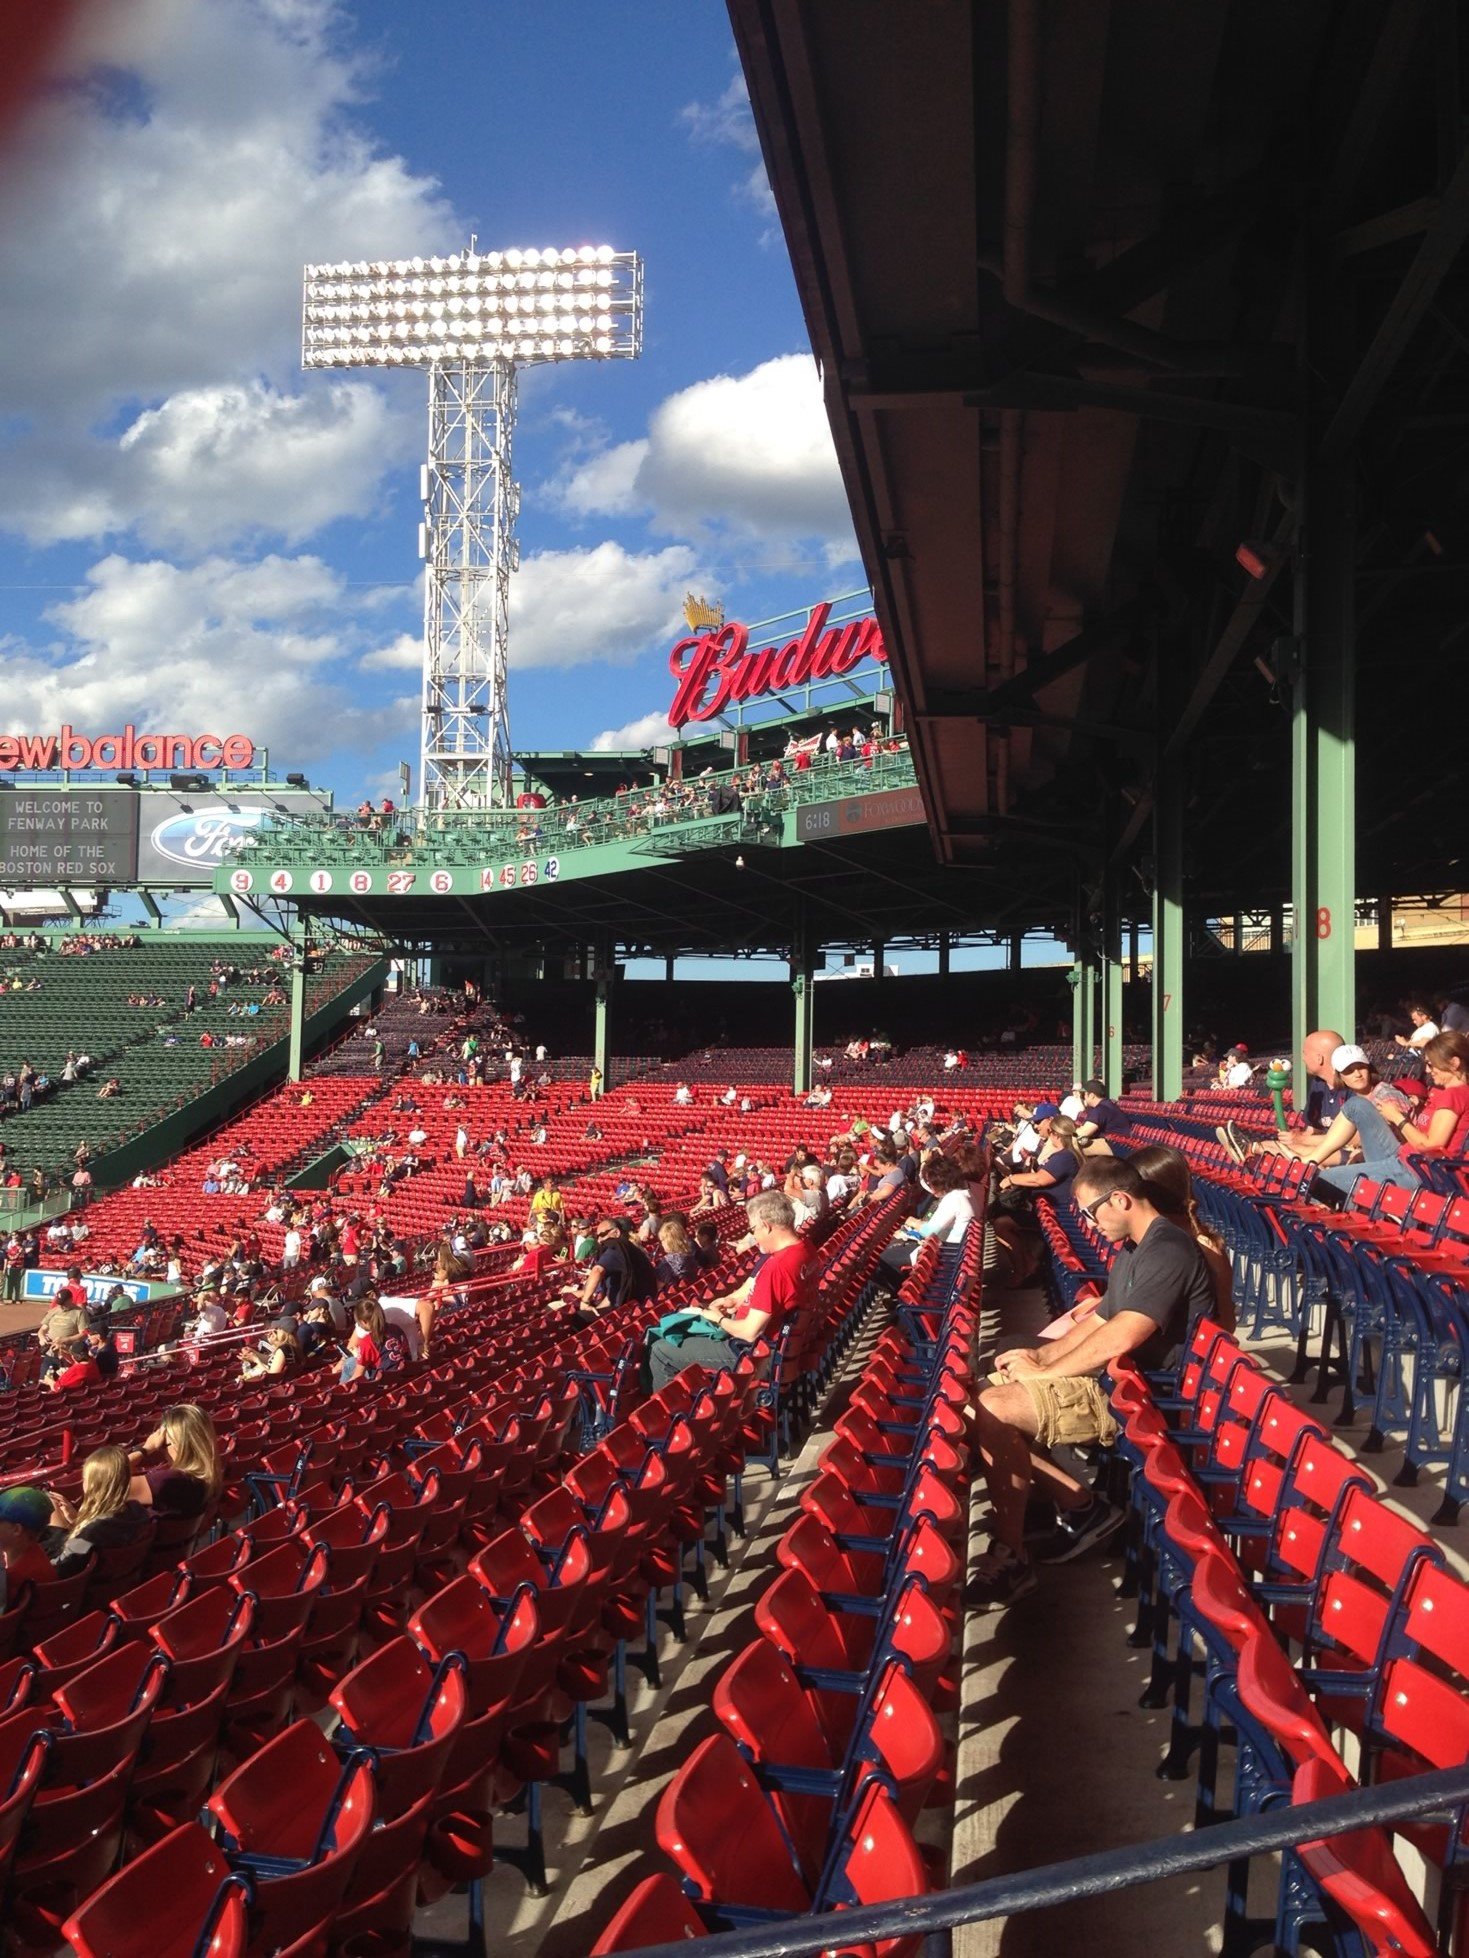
185 1474
284 1356
108 1517
677 1257
450 1271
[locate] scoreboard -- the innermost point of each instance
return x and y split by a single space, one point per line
67 836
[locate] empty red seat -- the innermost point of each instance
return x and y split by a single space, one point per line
295 1819
179 1896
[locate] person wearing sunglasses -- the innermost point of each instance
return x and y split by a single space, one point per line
1043 1397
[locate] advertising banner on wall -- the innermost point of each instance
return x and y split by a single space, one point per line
183 838
170 839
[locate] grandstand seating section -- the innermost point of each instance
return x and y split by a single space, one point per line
82 1007
455 1582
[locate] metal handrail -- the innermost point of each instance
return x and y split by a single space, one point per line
339 839
1418 1797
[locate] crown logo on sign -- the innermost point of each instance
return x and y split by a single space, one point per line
701 615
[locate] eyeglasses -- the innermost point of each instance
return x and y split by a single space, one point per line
1089 1210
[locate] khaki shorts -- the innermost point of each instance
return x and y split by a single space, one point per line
1068 1409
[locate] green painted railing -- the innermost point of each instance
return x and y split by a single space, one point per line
665 820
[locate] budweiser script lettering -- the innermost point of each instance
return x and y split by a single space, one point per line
716 669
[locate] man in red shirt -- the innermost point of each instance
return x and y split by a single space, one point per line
782 1285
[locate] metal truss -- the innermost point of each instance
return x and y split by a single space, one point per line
470 507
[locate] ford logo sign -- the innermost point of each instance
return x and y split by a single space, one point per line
207 837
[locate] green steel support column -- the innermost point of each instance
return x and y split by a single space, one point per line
1168 935
803 990
1324 761
298 1010
1083 1012
1093 971
1110 999
602 982
943 955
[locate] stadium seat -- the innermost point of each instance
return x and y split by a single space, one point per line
294 1819
179 1896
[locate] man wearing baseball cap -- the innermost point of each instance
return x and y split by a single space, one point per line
25 1515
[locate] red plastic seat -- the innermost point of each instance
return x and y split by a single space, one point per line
1358 1872
54 1606
149 1601
61 1841
202 1641
22 1762
283 1584
179 1896
716 1824
296 1820
70 1651
657 1912
176 1765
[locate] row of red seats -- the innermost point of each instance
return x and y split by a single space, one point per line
830 1748
1323 1627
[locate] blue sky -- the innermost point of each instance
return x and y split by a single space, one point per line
193 532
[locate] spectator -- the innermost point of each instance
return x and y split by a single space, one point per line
283 1354
1102 1121
1170 1187
1055 1165
782 1286
949 1219
25 1516
14 1267
210 1317
546 1198
706 1245
810 1201
62 1325
108 1517
1235 1071
678 1259
710 1198
619 1273
1382 1128
94 1361
547 1247
1053 1395
188 1477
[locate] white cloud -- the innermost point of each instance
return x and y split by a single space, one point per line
403 655
645 732
727 120
155 214
751 453
222 646
605 481
571 608
210 466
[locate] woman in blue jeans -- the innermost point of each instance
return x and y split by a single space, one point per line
1381 1129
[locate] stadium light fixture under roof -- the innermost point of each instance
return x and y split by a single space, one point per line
473 319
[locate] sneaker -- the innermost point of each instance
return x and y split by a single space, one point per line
1229 1141
998 1579
1078 1530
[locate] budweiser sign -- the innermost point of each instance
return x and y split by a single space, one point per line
126 750
716 669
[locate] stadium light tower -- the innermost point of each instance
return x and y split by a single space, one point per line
473 319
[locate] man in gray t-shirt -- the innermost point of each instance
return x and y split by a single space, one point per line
1052 1395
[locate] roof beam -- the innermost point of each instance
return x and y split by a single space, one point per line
1442 242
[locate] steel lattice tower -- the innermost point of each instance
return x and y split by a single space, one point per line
473 320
